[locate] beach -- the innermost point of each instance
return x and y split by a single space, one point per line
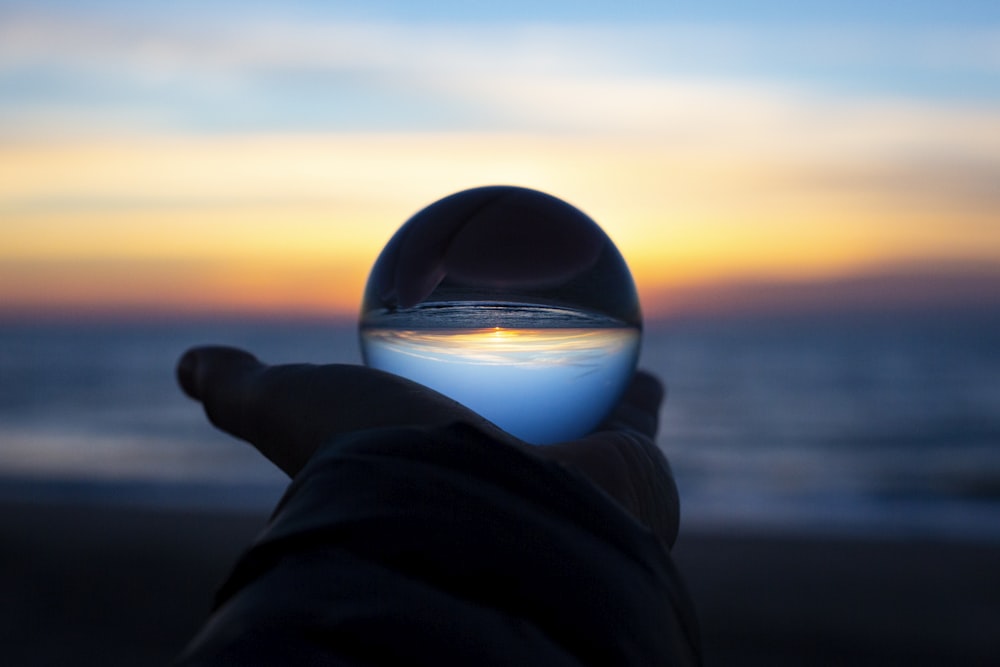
103 584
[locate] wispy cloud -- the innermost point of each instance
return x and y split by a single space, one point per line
163 44
708 150
513 75
686 87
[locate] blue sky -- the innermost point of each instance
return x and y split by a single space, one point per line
229 66
715 141
889 11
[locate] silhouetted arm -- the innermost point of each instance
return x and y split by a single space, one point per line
416 532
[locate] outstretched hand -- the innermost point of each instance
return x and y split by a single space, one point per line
286 412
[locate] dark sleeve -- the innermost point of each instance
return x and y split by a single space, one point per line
442 546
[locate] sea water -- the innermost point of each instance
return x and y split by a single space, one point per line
876 424
543 374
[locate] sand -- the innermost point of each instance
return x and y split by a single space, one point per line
796 601
99 585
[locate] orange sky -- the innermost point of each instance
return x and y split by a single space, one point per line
258 161
293 222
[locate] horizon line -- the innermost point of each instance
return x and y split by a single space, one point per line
912 289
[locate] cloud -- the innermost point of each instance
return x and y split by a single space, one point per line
888 290
701 155
157 42
541 76
704 93
262 74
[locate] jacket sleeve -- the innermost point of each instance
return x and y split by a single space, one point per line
442 546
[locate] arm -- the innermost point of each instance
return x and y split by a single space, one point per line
416 532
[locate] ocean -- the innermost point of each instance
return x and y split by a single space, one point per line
869 424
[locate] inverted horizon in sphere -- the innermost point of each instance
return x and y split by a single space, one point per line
541 385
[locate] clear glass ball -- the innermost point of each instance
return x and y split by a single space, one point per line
512 302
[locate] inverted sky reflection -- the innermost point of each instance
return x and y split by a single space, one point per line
542 385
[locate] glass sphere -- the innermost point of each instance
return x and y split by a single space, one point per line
513 303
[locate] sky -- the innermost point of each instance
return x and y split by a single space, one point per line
251 157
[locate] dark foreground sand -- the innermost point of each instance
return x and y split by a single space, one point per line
90 585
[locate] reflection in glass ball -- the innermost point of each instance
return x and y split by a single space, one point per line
513 303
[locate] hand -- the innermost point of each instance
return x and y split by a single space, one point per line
286 412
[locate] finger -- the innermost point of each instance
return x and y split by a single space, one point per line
622 459
252 401
218 377
652 490
639 408
632 470
646 392
287 411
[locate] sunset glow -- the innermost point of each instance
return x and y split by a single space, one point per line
504 346
142 193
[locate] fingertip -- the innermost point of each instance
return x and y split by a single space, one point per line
187 370
646 391
639 407
199 365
